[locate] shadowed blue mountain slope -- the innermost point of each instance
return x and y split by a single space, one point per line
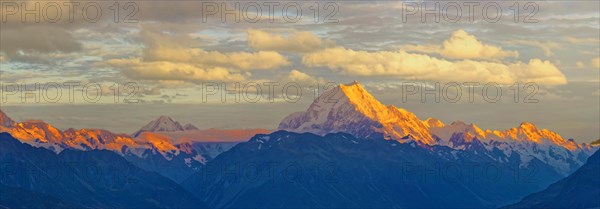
292 170
579 190
83 179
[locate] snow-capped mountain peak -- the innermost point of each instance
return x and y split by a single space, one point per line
529 132
182 153
525 132
432 122
41 134
350 108
526 140
5 121
162 124
190 127
445 132
527 125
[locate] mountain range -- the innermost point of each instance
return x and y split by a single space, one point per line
347 150
292 170
350 151
351 109
82 179
176 156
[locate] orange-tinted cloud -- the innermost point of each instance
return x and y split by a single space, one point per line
412 66
462 45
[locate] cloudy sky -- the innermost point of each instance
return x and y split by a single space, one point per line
173 57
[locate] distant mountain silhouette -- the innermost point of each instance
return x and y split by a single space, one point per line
163 123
